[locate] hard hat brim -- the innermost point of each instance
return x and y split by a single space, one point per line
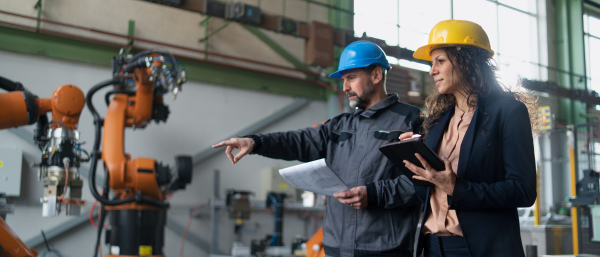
424 52
336 75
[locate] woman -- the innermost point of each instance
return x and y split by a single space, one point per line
483 132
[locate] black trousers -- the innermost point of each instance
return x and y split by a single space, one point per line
445 246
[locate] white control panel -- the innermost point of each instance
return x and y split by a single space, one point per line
11 160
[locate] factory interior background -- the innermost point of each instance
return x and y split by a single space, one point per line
265 70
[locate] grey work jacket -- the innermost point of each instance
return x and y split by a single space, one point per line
350 145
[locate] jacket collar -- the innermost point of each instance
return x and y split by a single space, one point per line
434 137
383 104
436 133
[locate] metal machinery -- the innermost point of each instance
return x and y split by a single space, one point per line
135 190
240 207
585 190
61 151
260 247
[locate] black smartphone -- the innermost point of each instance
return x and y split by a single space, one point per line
399 151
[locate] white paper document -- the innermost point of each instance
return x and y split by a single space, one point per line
314 177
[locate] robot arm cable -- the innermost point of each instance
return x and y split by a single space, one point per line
107 96
102 213
91 93
138 61
95 151
40 137
10 85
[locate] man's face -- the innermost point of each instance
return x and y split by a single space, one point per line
359 87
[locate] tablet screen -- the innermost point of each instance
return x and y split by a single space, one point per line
399 151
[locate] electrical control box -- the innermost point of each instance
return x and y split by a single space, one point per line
319 45
273 182
243 13
287 26
547 120
214 8
11 159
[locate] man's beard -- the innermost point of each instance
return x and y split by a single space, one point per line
363 100
352 103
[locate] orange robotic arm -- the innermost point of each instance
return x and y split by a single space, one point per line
138 181
130 111
12 246
19 107
139 185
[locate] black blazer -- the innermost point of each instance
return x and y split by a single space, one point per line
496 174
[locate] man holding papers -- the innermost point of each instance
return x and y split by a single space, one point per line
378 215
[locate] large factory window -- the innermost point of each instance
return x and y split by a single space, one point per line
591 28
407 23
517 48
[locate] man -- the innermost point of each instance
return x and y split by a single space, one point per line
378 215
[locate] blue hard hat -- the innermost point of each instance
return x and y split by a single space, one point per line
361 54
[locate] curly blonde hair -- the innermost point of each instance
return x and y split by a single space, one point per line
479 79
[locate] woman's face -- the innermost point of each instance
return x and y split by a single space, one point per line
447 77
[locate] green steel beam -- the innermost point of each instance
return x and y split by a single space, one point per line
208 35
38 6
570 57
341 18
29 42
577 58
131 32
131 37
276 47
562 57
204 24
131 28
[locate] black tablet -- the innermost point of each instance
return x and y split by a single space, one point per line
399 151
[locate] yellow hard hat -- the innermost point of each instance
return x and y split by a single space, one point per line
454 33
